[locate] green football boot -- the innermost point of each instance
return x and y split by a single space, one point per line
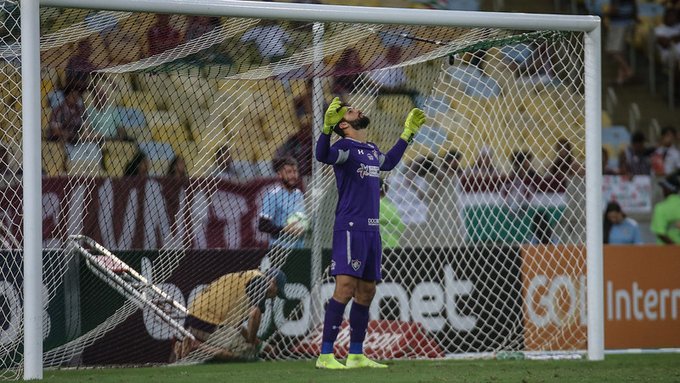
361 361
328 362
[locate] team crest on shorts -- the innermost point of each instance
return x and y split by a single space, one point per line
356 264
332 265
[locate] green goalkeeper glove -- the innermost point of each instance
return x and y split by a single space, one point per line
333 115
414 120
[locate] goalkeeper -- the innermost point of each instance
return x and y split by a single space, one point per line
357 250
225 316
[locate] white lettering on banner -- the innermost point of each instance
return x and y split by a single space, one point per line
230 208
199 220
105 217
640 304
558 299
454 289
424 305
76 197
9 331
12 323
294 327
51 210
156 220
390 290
427 300
155 326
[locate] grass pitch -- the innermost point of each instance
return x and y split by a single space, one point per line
615 368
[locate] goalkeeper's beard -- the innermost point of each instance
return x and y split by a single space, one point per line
360 123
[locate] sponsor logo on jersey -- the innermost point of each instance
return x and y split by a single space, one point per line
373 222
368 170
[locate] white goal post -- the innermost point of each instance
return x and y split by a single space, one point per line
31 99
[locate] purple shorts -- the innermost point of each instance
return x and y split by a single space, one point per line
358 254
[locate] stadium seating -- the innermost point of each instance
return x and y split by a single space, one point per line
117 154
166 126
160 155
84 159
53 158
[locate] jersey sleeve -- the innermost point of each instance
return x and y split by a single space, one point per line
268 206
390 159
331 155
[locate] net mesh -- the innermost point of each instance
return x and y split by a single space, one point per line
160 134
11 211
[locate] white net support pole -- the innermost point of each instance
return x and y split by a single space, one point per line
593 111
32 182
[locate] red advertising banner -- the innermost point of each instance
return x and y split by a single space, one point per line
146 213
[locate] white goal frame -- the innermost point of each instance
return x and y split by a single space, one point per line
30 68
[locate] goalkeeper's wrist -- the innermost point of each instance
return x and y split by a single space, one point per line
407 135
327 129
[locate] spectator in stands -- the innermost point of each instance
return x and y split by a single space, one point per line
484 164
122 45
79 67
391 225
178 168
197 26
622 15
666 158
666 214
303 102
299 147
452 163
280 203
66 119
606 169
390 80
138 166
565 164
161 36
225 168
103 121
538 68
668 35
619 229
270 38
520 185
345 73
636 160
228 312
408 191
444 220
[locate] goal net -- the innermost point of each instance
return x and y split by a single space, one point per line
161 135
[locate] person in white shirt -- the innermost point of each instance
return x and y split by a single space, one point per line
666 158
270 39
668 35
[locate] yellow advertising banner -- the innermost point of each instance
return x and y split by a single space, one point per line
641 295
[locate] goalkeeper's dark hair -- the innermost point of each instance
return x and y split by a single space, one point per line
280 162
339 131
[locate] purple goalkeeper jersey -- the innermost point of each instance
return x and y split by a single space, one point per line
357 167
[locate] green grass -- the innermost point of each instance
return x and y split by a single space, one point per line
615 368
